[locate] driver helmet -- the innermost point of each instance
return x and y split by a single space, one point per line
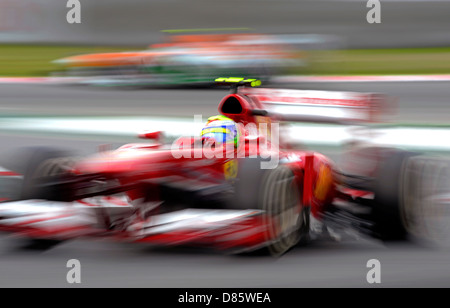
221 130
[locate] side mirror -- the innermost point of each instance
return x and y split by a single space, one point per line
155 135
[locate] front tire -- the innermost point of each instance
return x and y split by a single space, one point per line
277 192
35 164
40 164
281 198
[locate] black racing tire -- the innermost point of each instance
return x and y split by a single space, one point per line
426 214
389 189
277 192
36 164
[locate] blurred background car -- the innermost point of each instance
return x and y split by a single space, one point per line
196 59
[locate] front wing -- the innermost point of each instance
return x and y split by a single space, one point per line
113 218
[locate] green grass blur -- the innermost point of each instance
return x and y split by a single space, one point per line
36 60
378 62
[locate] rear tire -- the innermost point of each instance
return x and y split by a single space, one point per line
426 215
390 189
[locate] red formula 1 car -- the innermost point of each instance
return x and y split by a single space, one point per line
253 193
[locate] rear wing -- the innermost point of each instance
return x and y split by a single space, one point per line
319 106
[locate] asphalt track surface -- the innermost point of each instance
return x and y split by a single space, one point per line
107 264
324 264
415 102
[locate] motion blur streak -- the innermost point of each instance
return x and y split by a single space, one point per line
193 59
87 170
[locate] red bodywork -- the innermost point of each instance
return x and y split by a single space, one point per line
143 168
134 163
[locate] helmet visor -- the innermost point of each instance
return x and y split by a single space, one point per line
223 134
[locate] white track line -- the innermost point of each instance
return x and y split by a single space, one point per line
39 80
329 135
